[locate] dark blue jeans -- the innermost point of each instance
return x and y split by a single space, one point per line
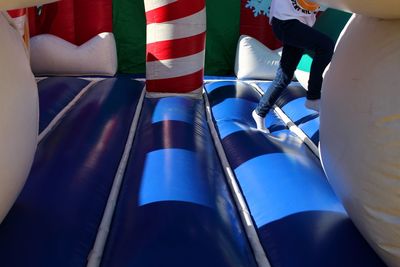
296 38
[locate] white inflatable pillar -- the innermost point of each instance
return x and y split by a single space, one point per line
360 126
18 115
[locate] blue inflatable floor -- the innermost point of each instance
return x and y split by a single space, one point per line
174 206
299 219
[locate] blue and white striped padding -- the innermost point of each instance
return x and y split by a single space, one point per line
174 208
292 102
299 219
237 100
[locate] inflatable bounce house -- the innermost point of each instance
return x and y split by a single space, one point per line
127 137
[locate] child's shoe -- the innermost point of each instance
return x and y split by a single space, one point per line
260 121
313 104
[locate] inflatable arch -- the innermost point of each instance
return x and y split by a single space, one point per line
99 168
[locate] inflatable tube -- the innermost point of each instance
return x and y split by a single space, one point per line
300 221
388 9
360 130
254 60
19 115
175 46
51 55
14 4
55 94
174 208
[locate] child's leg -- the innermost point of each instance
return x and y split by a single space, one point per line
290 59
300 35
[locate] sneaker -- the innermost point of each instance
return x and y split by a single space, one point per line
313 104
260 121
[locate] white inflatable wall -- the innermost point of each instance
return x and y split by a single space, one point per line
254 60
18 115
360 126
51 55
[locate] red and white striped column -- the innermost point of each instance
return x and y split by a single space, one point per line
176 33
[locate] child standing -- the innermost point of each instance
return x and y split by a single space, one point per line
292 22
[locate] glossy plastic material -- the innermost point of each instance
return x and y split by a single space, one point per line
360 130
55 219
299 219
175 45
54 94
175 209
292 103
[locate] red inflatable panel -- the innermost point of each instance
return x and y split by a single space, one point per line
15 13
91 18
73 20
257 26
55 18
173 11
33 24
176 48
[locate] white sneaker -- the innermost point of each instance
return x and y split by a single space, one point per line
313 104
260 121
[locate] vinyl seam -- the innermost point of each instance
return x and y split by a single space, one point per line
240 203
291 125
95 256
54 122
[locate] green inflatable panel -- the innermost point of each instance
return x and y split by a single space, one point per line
223 18
223 21
129 24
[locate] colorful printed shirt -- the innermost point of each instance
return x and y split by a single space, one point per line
302 10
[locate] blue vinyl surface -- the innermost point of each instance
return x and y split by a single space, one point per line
54 94
292 102
242 100
300 221
55 219
174 208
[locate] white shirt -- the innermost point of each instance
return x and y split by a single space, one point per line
290 9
